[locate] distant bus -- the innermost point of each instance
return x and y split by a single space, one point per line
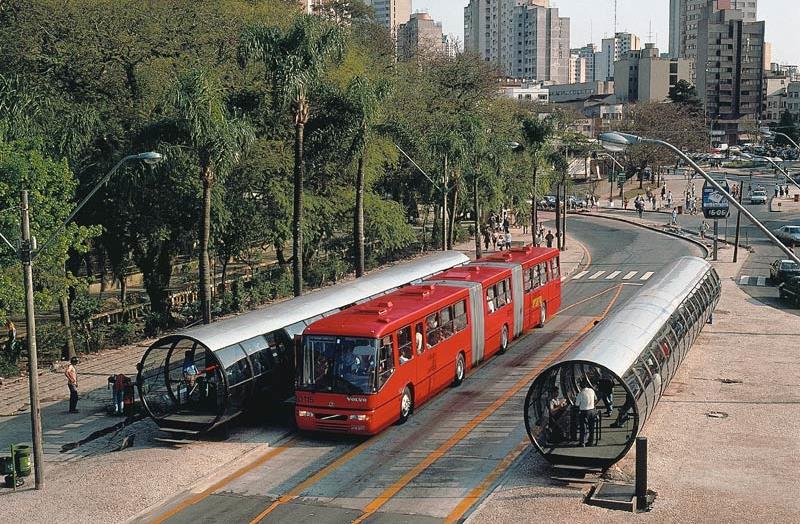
367 367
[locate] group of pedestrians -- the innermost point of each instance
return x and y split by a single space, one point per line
497 232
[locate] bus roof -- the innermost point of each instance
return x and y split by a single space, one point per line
522 255
473 272
385 314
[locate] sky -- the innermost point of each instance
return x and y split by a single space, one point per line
591 20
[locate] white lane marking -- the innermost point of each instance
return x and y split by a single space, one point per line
613 275
629 275
597 275
647 275
744 280
580 275
761 281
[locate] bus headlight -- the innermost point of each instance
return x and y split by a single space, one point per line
362 418
302 413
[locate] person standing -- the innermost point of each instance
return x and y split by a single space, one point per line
72 383
549 238
11 330
669 199
585 401
508 239
486 238
606 389
674 220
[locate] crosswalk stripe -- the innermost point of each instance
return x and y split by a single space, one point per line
580 275
629 275
647 275
761 281
744 280
613 275
596 275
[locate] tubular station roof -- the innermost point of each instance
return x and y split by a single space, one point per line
224 333
633 325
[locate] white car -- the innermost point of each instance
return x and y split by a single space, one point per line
758 197
789 235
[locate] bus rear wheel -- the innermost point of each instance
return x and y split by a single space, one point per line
461 370
504 340
406 405
542 314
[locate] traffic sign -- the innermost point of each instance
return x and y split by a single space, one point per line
715 203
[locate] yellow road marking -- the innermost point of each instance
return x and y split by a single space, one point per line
310 481
481 488
403 481
194 499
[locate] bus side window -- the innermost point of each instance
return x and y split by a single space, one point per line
537 281
404 344
500 294
507 289
418 342
385 360
556 269
543 273
527 280
446 316
433 329
460 316
490 299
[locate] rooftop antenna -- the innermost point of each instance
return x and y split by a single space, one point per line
615 17
650 32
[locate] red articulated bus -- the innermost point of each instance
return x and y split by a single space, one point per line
369 366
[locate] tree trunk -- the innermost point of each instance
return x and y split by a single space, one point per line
297 220
444 205
478 222
205 235
358 224
225 263
63 304
564 222
451 237
534 208
558 215
123 291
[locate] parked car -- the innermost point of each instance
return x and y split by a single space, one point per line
548 202
789 235
783 270
758 197
790 290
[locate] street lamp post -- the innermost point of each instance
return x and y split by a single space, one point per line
27 254
620 141
784 135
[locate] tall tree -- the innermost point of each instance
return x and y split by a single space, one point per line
202 124
536 132
295 60
366 97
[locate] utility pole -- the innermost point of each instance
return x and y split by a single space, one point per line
478 221
26 255
738 227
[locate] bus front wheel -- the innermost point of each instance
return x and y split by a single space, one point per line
461 370
406 405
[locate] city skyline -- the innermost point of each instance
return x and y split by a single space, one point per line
592 20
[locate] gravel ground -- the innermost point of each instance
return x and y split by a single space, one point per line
734 469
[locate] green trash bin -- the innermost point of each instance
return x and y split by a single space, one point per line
22 459
6 466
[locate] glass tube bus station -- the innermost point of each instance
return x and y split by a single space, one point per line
629 359
201 378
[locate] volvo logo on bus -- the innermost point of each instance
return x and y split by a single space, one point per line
330 404
357 399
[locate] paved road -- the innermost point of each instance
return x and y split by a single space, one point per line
449 455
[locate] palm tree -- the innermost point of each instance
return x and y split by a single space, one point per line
450 146
535 132
203 125
365 97
295 60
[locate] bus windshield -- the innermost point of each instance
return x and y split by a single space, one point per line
339 364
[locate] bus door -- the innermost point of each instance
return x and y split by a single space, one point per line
425 363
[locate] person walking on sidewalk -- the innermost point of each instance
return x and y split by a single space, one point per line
549 238
669 200
72 383
704 227
587 417
674 219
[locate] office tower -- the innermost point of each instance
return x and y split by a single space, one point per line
525 38
684 16
730 69
391 13
643 76
420 36
611 49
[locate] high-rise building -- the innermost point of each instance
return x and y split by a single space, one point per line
526 38
577 68
450 45
391 13
420 36
684 17
611 49
730 69
587 52
643 76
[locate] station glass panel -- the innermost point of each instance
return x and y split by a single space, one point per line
234 361
295 329
260 354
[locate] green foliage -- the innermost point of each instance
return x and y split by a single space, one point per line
50 184
789 127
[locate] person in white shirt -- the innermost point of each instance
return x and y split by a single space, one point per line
585 401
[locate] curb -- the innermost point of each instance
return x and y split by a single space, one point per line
651 228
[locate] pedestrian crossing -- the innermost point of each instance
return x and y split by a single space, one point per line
639 276
746 280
